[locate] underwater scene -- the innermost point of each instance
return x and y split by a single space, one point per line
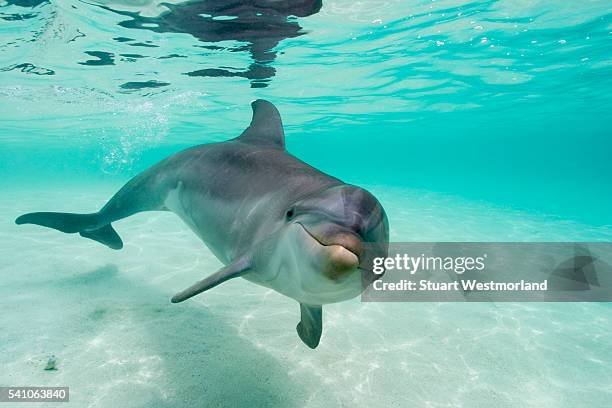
284 142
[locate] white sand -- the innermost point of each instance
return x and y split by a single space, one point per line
119 342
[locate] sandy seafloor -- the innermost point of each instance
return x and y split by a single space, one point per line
119 342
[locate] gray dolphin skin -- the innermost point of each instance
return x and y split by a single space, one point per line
269 217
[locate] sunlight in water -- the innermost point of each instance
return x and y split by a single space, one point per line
468 120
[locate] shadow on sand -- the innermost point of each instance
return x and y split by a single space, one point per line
202 362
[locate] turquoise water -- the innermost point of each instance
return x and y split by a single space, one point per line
476 121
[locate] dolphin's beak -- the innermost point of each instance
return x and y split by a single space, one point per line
342 249
341 262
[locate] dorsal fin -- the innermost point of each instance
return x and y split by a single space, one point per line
266 128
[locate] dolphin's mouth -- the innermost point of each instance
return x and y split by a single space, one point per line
343 254
352 251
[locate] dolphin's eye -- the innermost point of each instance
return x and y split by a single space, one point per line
290 213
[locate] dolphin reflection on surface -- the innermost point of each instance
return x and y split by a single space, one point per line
259 24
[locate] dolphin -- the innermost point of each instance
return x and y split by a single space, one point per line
268 216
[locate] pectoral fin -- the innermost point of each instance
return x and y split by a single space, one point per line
311 325
233 270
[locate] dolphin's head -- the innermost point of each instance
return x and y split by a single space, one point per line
332 237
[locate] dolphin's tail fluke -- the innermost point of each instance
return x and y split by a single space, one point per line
87 225
105 235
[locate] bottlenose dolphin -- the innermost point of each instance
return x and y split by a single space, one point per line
268 216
